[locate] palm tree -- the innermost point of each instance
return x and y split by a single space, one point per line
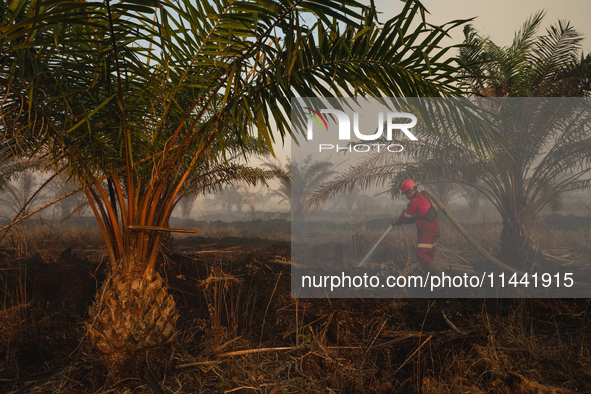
230 197
301 178
473 198
186 204
548 139
134 99
252 197
532 66
221 177
545 158
265 198
21 189
72 205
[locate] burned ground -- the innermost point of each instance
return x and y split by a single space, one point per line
241 331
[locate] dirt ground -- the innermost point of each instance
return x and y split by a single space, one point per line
241 332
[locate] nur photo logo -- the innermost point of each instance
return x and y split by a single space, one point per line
392 122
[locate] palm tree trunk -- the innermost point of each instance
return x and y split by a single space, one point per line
131 313
519 241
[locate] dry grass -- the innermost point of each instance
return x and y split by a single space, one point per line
229 229
241 332
15 323
49 240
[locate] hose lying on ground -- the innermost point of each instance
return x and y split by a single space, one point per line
465 234
489 257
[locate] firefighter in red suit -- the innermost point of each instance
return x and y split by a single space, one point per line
423 214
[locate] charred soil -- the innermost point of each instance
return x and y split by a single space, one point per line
240 331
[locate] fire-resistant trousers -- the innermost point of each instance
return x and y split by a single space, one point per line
426 250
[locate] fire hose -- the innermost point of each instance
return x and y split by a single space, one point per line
467 236
480 249
379 240
458 226
462 231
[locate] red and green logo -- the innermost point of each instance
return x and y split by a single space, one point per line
315 115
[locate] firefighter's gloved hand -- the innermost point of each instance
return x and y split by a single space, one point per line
395 222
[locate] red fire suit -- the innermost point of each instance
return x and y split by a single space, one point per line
427 232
